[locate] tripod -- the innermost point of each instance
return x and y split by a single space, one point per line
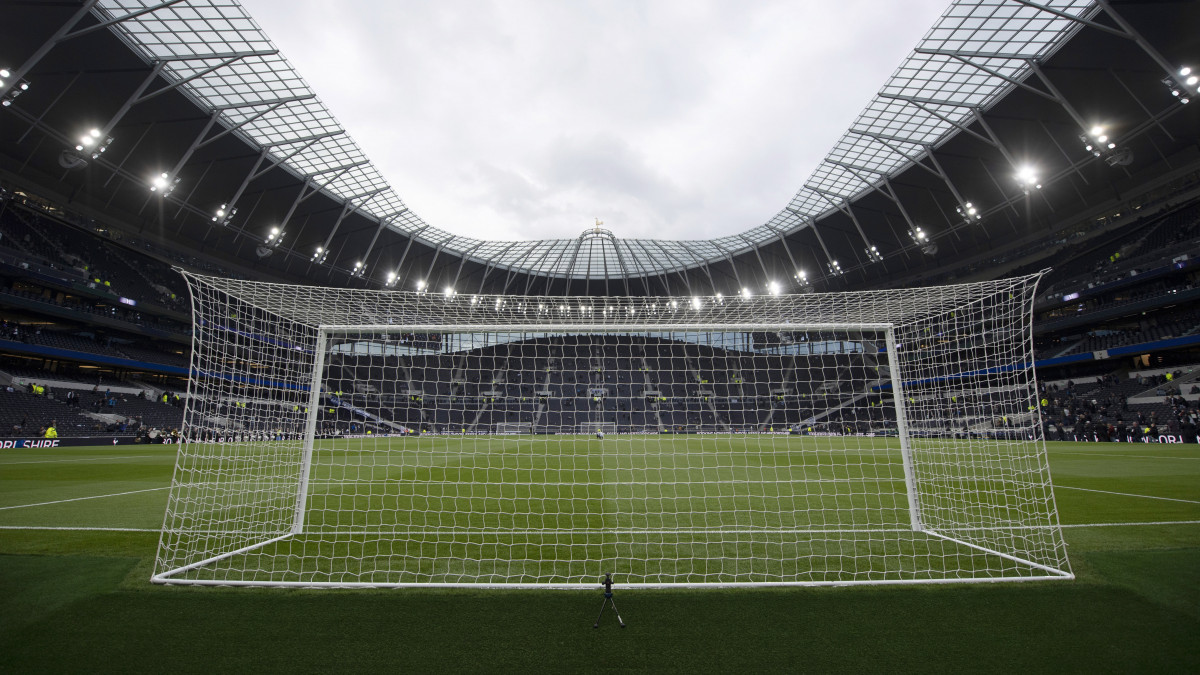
608 599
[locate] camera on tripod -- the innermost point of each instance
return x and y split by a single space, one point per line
607 582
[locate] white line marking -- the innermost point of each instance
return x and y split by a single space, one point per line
1113 454
580 531
79 499
1128 494
87 459
77 529
1142 524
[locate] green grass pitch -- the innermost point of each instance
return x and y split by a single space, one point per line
651 509
78 534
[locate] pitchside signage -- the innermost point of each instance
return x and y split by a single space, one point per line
14 443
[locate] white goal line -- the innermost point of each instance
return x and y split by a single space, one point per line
602 531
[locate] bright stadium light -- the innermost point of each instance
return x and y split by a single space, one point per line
1027 178
162 183
94 142
835 268
747 294
11 95
224 214
969 213
773 288
1096 141
696 304
873 253
448 291
420 285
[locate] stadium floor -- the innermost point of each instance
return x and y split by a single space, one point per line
79 530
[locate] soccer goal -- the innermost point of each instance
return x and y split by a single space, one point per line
420 439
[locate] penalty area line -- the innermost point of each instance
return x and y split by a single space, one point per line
1102 453
81 459
1140 524
79 499
1126 494
78 529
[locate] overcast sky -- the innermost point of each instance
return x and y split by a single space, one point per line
666 119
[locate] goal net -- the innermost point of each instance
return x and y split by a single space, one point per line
382 438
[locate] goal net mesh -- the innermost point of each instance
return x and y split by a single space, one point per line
352 437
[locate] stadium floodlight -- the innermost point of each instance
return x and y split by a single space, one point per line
390 282
359 270
1096 141
801 277
93 143
835 268
1027 178
224 215
890 471
448 291
969 213
747 293
1183 85
922 239
774 288
11 94
163 184
320 255
274 237
696 303
873 253
420 285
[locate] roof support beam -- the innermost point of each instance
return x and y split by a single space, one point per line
404 256
195 145
958 56
1071 17
59 35
947 120
371 246
116 20
890 193
61 91
532 271
348 208
462 260
232 59
844 206
1058 97
1124 30
253 118
937 169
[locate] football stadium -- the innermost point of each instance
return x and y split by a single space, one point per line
937 410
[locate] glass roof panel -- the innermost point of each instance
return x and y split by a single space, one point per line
989 35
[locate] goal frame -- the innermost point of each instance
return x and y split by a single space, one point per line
886 329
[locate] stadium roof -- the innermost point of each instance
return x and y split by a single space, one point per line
953 124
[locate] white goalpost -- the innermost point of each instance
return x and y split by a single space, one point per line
354 438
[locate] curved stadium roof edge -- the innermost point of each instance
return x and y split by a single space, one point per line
967 61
